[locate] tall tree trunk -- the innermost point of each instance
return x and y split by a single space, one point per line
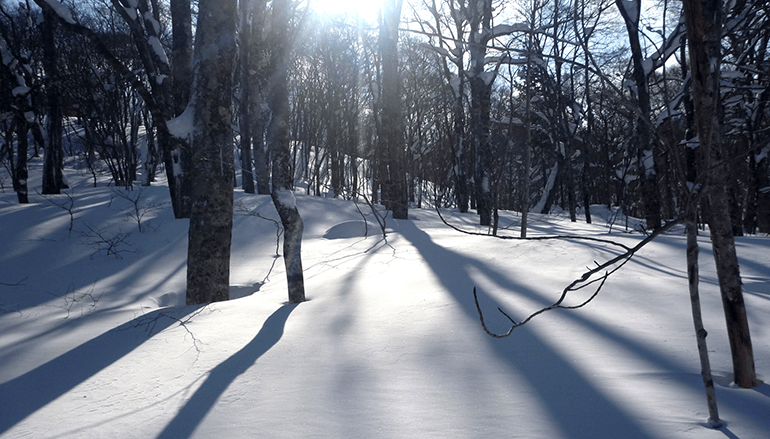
176 152
644 142
20 172
481 101
211 220
391 138
279 143
703 19
53 178
181 50
257 93
527 171
244 110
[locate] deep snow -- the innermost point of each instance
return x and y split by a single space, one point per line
389 344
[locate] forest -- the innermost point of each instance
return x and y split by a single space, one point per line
516 106
649 114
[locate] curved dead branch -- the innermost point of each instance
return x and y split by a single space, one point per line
587 279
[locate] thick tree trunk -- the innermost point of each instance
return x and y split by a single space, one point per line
211 220
762 177
391 139
480 83
176 152
278 140
53 179
703 19
181 50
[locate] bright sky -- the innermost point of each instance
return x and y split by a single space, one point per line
366 9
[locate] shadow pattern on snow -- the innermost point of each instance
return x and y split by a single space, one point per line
195 409
577 407
28 393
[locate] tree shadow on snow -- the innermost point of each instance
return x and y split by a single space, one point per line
195 409
26 394
576 405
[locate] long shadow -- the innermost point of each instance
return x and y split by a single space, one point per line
578 408
544 367
191 415
26 394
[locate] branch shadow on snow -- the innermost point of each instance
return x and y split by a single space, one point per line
574 403
195 409
28 393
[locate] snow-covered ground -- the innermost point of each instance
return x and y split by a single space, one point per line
97 341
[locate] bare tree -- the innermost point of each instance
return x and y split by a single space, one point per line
391 135
278 136
211 221
703 19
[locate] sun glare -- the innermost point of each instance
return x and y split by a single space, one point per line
365 9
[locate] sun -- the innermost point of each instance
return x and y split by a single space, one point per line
364 9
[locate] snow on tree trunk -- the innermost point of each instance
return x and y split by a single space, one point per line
279 143
181 49
645 149
211 219
481 101
703 19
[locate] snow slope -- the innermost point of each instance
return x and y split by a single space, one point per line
389 344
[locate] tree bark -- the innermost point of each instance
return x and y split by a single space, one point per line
53 178
391 136
644 142
211 220
279 143
247 175
700 332
703 19
21 173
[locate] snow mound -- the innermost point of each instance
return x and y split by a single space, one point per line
348 229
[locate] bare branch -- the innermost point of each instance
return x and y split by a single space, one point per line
582 282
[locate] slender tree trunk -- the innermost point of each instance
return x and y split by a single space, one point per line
20 173
527 172
700 332
644 142
211 220
703 19
245 106
279 143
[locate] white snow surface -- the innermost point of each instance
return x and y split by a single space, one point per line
388 344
